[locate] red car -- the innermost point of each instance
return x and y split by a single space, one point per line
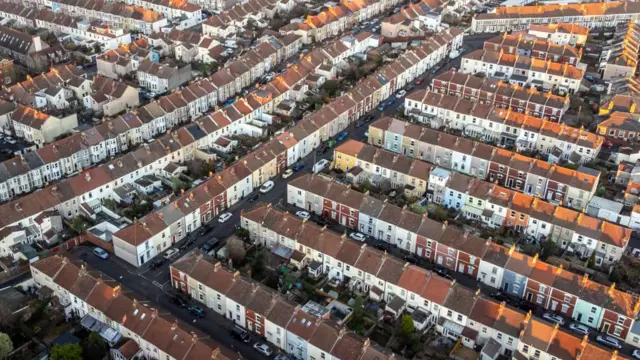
419 81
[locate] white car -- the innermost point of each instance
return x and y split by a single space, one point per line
303 214
556 319
224 217
287 173
320 165
265 349
636 354
609 341
357 236
99 252
171 253
266 187
579 328
400 94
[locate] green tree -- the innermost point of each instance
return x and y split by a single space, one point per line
177 184
591 263
66 352
548 249
439 214
406 324
243 233
79 224
6 345
259 263
94 347
358 308
366 185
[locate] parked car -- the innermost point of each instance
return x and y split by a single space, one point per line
171 253
303 214
287 173
320 165
579 328
322 149
180 301
241 334
188 242
205 229
382 106
298 166
609 341
224 217
209 245
635 354
343 135
444 273
419 81
263 348
282 357
556 319
357 236
99 252
359 123
266 187
156 263
197 311
382 245
368 118
411 259
400 94
499 296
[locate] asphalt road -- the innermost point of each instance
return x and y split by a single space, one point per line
155 285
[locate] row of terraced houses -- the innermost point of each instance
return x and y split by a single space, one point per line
604 308
73 196
490 204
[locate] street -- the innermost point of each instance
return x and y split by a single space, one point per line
155 285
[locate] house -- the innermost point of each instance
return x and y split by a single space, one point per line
32 52
512 18
110 97
561 33
160 78
39 128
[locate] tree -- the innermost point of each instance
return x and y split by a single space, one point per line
366 185
439 213
94 347
79 224
358 308
177 184
548 249
66 352
236 250
6 345
406 324
259 263
243 234
591 263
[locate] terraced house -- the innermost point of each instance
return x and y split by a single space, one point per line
501 95
491 205
556 184
457 312
508 128
533 47
293 328
590 15
523 70
452 248
120 15
72 195
102 303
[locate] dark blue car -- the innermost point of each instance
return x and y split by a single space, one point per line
343 135
298 166
197 311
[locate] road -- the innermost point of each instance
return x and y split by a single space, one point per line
155 285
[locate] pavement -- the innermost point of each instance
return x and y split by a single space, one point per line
155 284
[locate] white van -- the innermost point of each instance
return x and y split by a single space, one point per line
320 165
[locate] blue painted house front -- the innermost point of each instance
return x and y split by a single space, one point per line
516 274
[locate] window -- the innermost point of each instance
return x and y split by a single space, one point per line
525 348
449 313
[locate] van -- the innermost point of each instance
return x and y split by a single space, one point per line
320 165
241 334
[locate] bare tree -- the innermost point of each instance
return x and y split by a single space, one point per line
236 250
